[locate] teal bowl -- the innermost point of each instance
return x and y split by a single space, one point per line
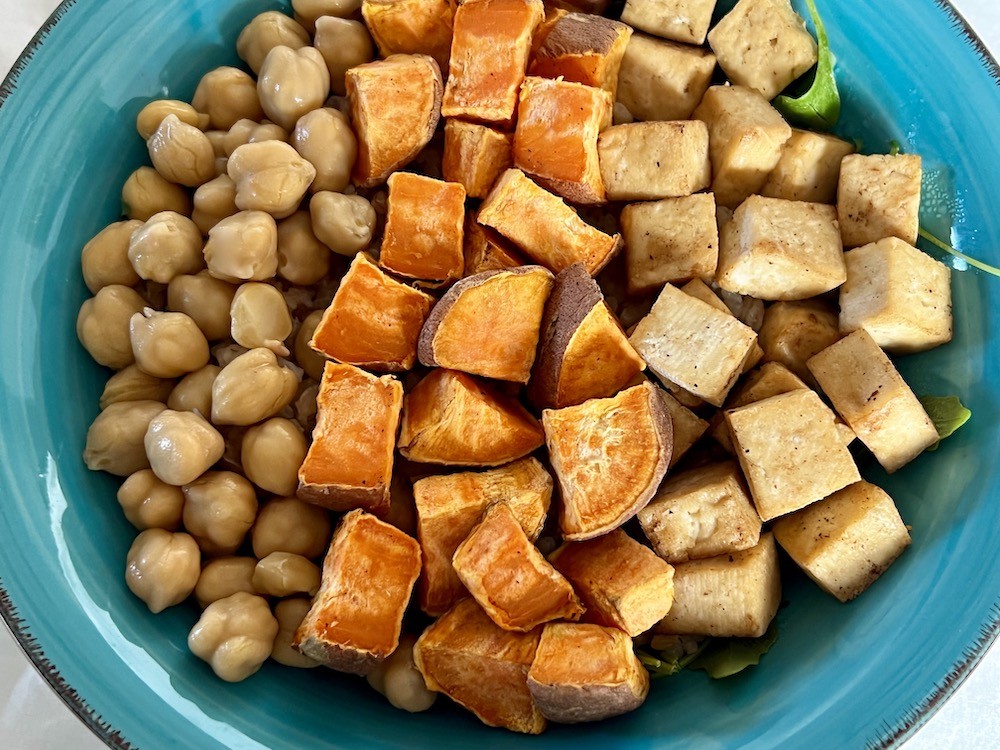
866 674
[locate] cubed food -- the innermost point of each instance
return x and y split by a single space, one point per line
775 249
349 464
411 26
746 138
770 379
373 321
450 506
546 229
693 345
582 48
586 673
698 289
583 352
661 80
609 456
791 452
900 295
703 512
475 156
395 108
732 595
488 324
688 426
878 196
670 240
872 397
424 228
845 542
490 47
809 168
645 161
684 21
481 666
484 249
763 45
794 331
368 574
451 418
622 583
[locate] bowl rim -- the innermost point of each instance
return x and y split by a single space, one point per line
890 735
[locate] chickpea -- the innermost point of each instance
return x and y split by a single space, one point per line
194 392
167 344
344 223
105 258
205 299
213 202
324 138
309 11
265 32
153 114
291 83
252 388
344 44
272 453
103 325
234 635
302 258
248 131
114 440
285 574
146 193
270 176
181 446
150 503
227 95
162 568
181 153
224 576
399 680
218 140
305 405
219 509
243 247
309 359
132 384
225 353
167 245
286 524
260 317
290 613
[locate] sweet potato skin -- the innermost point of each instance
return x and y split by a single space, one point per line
583 48
475 155
411 27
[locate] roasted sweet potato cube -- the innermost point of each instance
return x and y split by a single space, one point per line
513 583
622 583
475 156
489 55
368 575
556 137
488 324
450 506
374 321
395 108
485 250
609 456
582 48
424 228
481 667
451 418
583 353
544 227
411 27
349 464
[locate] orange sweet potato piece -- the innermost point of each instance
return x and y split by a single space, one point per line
489 54
609 456
488 324
368 576
451 418
424 228
485 250
374 321
411 26
583 48
349 464
450 506
395 108
583 353
475 155
552 16
622 582
544 227
481 667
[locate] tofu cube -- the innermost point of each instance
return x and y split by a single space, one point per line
746 138
581 48
651 160
680 20
872 397
775 249
475 156
670 240
662 80
770 379
732 595
688 426
794 331
845 542
791 452
879 196
763 45
809 168
701 513
700 290
693 345
900 295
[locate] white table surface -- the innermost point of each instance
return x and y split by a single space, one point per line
33 718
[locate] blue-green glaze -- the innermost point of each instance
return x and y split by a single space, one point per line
839 676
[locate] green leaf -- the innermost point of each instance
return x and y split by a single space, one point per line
728 656
819 107
666 664
942 245
894 148
947 413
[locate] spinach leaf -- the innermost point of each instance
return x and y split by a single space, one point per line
669 662
942 245
728 656
947 413
819 107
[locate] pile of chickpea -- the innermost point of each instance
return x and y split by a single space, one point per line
204 299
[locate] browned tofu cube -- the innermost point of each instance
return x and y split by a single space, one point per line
681 20
644 161
879 196
582 48
485 250
661 80
475 156
809 168
795 331
688 426
411 26
770 379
